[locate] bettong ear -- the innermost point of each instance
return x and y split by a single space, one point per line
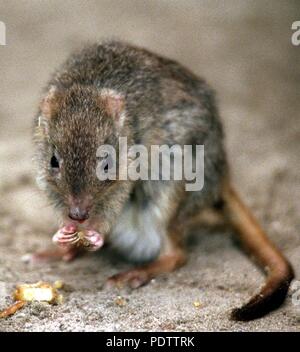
51 104
49 107
114 105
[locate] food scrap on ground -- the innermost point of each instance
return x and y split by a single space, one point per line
11 310
197 304
120 301
40 291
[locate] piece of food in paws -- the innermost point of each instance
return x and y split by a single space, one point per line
88 239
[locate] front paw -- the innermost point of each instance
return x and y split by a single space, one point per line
66 236
132 278
69 236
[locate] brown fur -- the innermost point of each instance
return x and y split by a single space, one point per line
113 89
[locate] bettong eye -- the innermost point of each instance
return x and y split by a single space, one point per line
54 162
107 162
106 167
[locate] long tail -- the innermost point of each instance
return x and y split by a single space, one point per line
279 271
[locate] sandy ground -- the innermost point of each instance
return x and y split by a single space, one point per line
244 50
